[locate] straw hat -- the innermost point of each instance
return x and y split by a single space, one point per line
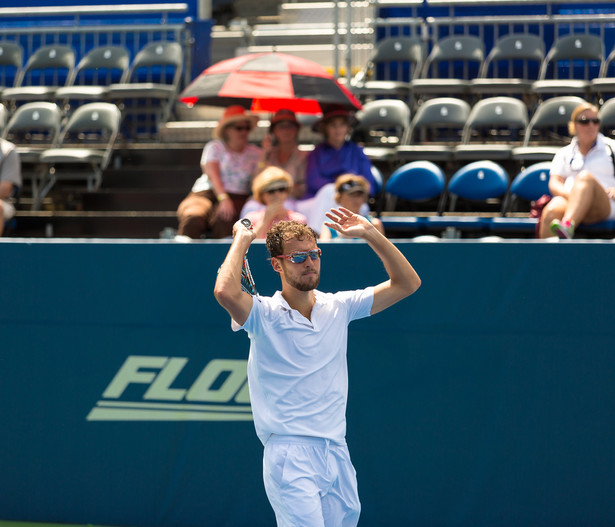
270 179
234 114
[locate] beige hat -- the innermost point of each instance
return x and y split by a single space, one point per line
272 178
234 114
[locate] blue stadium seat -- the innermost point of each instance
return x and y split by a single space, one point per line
477 182
415 181
529 184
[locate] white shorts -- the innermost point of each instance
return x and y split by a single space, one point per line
8 210
310 482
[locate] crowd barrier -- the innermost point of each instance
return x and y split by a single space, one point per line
484 399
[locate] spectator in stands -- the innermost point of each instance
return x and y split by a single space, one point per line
228 164
336 155
281 149
10 180
582 178
351 192
271 188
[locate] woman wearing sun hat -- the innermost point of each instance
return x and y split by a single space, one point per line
271 188
228 164
282 150
336 155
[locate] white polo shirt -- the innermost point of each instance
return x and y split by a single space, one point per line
297 370
568 162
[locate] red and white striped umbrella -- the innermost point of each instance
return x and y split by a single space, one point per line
267 82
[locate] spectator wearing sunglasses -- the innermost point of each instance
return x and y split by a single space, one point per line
337 154
228 165
271 188
582 177
297 367
351 192
10 180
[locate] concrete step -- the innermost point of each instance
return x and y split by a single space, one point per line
80 224
135 199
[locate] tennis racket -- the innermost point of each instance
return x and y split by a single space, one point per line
247 282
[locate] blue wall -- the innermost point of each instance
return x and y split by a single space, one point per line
487 398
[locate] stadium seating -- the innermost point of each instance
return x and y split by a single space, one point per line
604 84
147 92
11 62
519 52
400 58
479 185
435 130
47 69
33 128
495 125
528 185
417 181
84 147
93 75
449 67
578 52
382 124
547 130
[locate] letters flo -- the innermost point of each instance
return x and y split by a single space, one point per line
219 393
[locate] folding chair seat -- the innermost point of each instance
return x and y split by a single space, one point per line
547 130
579 53
481 184
33 128
528 185
494 126
148 91
84 147
394 63
417 182
513 54
450 66
47 69
11 63
435 130
382 124
93 75
604 84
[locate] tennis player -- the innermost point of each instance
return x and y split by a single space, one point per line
297 370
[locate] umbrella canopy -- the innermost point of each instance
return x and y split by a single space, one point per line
267 82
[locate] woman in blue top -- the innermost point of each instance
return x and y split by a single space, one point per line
336 155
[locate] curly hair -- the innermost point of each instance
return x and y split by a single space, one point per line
284 231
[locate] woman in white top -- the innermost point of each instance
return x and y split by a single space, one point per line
228 164
582 177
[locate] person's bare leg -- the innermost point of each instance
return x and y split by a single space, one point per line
554 210
588 201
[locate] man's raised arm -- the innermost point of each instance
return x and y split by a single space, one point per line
228 290
403 279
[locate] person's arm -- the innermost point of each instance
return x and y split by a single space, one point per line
556 186
403 279
226 210
6 188
228 290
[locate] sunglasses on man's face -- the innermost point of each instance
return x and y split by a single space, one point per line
241 128
584 121
300 256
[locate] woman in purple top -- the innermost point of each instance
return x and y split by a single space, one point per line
336 155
